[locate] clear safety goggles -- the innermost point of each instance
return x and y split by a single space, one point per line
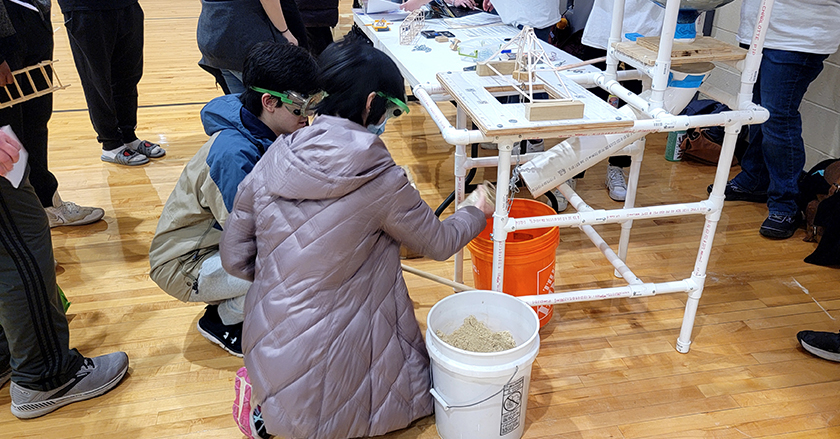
394 107
298 104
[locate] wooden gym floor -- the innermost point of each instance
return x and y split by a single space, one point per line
606 369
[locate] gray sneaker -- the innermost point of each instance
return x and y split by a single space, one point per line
66 213
97 376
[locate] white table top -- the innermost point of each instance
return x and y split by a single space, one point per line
419 67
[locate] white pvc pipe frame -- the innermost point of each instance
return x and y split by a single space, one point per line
746 113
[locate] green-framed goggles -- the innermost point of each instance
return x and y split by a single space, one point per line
298 104
394 107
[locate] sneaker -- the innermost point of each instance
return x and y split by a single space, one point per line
734 192
616 183
778 226
822 344
562 202
258 425
242 412
124 156
148 149
5 376
96 377
65 213
229 337
537 145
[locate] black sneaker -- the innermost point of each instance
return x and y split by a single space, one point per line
96 377
778 226
822 344
734 192
229 337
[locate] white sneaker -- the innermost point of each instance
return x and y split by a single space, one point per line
66 213
616 183
562 202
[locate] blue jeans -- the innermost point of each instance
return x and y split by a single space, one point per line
776 155
233 79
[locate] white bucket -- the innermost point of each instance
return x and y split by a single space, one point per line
482 395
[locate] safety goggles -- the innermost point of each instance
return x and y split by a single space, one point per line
296 103
394 107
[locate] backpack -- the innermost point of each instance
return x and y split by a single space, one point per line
704 144
819 199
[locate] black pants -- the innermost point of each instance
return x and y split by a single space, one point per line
319 38
108 51
29 119
34 336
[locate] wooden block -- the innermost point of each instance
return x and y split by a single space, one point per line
554 109
521 76
504 67
441 39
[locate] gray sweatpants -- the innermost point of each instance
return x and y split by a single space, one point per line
202 279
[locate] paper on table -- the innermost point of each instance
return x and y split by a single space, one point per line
479 19
375 6
16 174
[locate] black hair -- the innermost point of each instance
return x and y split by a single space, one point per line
277 67
350 71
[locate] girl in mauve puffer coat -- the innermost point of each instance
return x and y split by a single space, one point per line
331 343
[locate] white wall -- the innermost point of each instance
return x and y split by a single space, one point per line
821 107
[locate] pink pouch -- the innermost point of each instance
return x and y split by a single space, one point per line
242 402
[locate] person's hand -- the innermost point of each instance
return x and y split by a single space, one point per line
466 4
483 202
412 5
289 37
6 77
9 152
488 6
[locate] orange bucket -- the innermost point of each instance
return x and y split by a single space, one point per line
529 257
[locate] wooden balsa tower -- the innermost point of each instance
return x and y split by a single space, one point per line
38 83
411 27
523 71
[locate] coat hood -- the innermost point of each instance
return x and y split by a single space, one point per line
329 159
224 113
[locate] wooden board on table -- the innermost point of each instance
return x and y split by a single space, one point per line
475 95
703 49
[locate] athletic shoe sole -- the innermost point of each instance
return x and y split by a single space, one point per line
833 356
107 159
216 341
41 408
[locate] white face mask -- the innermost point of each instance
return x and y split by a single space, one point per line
377 129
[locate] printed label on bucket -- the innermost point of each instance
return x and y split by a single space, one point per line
512 406
545 277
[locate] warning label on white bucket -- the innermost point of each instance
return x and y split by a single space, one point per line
511 406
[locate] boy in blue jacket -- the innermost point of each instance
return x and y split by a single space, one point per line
184 255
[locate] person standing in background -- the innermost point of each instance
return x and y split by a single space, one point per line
800 36
106 38
319 16
26 39
228 29
641 17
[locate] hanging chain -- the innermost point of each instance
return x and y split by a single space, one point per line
513 186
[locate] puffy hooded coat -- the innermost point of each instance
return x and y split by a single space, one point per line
330 339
